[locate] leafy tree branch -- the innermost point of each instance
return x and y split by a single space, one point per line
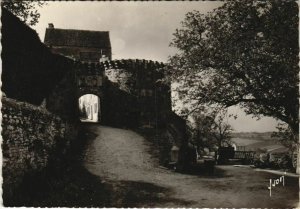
243 53
25 10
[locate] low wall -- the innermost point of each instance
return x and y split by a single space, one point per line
30 135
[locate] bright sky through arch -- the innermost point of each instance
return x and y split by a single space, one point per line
138 30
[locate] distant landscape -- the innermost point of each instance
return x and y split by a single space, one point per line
255 140
253 135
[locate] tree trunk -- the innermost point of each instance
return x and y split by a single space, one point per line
297 149
298 159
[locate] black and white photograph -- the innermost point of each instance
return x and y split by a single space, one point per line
150 104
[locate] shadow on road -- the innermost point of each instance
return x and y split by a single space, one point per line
143 194
76 187
72 185
202 171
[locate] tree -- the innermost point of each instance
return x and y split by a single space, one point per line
201 131
25 10
285 136
210 129
221 129
243 53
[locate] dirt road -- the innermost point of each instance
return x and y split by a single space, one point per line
122 158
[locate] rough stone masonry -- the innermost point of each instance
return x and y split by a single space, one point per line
29 135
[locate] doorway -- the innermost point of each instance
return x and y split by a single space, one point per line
89 108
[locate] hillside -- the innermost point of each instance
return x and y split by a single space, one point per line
257 141
266 136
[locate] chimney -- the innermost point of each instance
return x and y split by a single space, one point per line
50 25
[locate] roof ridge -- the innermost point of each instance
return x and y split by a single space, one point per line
76 30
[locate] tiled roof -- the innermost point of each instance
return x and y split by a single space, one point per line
78 38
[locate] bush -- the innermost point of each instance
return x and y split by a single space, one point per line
274 161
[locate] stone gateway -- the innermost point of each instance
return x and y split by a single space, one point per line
43 82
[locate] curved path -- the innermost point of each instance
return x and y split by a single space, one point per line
122 159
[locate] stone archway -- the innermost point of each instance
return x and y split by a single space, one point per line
130 92
90 81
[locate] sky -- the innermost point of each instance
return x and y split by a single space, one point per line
138 30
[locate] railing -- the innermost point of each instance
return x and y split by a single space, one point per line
244 154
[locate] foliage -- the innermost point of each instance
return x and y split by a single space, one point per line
210 130
278 161
200 131
286 136
243 53
124 79
25 10
222 129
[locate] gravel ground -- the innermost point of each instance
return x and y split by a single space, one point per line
122 159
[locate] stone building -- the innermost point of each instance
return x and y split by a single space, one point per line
86 47
83 45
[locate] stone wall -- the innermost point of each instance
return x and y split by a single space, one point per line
62 100
134 94
32 74
30 71
30 135
40 111
118 107
90 78
176 132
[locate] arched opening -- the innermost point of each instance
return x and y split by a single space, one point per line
89 108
